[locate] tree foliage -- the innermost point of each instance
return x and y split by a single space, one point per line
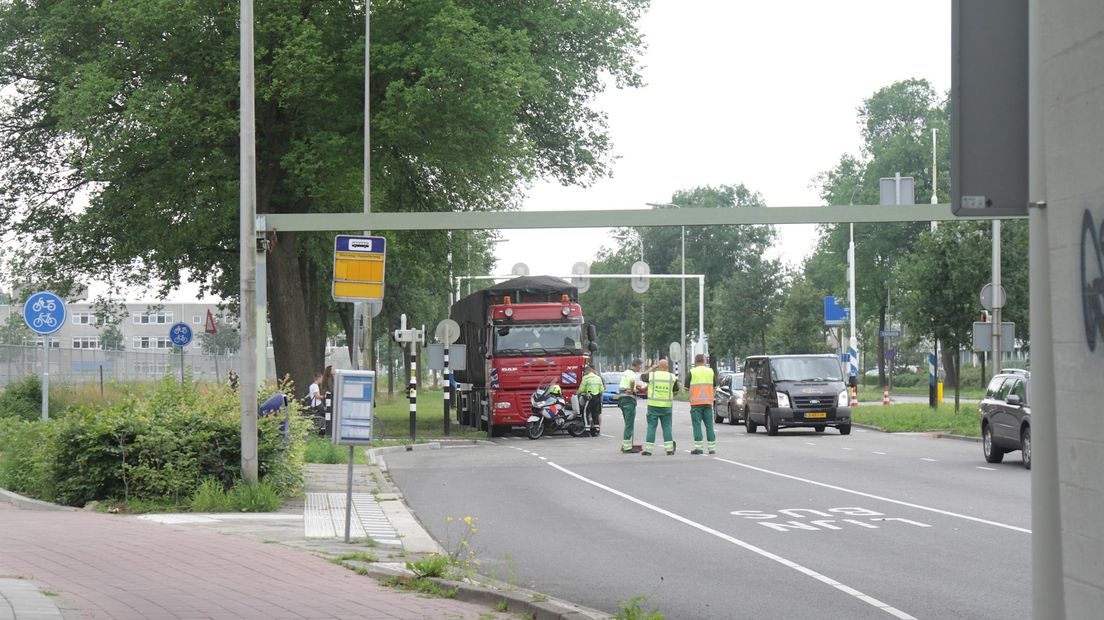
895 124
130 110
740 284
942 276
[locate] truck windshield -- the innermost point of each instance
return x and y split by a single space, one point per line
527 339
806 369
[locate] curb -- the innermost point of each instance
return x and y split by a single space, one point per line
27 503
958 437
518 600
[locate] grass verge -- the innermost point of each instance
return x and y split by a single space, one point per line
920 418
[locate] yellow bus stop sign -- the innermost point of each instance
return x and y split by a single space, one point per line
358 268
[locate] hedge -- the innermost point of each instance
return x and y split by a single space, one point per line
162 446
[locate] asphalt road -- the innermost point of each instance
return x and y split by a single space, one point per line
801 525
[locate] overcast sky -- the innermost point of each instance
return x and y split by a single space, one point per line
759 93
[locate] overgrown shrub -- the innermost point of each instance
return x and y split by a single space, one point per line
23 399
162 446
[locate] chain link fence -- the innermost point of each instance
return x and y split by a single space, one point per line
75 366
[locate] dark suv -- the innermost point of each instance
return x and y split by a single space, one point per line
795 390
1006 417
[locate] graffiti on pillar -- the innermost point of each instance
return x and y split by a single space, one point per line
1092 279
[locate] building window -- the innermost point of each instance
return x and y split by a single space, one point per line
86 343
86 318
152 342
152 318
54 343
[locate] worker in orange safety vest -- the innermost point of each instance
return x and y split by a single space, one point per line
701 405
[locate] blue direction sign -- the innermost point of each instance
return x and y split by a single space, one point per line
835 314
180 334
44 312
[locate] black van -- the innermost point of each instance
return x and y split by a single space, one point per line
795 390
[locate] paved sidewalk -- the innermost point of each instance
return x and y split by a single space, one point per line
64 563
70 564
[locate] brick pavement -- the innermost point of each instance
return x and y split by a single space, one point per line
106 566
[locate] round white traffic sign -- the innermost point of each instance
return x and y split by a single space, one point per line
640 280
520 269
579 277
448 331
987 300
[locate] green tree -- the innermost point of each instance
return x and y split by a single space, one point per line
941 279
133 106
740 283
798 326
226 338
14 331
896 123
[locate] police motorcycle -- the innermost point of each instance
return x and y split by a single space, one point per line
550 413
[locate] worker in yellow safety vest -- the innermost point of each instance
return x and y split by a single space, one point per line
701 405
662 387
626 402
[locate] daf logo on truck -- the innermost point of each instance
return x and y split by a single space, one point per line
508 327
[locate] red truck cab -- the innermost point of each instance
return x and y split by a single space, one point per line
520 334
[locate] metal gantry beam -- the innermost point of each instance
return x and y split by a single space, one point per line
606 218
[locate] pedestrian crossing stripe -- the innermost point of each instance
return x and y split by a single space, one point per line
324 517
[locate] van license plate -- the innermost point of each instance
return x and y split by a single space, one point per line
816 414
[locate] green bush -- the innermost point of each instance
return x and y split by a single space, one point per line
260 497
23 399
163 446
210 497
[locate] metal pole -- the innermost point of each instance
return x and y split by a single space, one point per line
1048 600
701 312
349 495
181 370
682 324
365 340
853 344
46 378
247 240
412 392
447 391
997 301
643 356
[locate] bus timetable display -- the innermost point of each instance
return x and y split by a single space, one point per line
353 394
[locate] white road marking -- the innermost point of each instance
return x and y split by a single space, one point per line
810 443
879 497
987 468
924 458
881 453
747 546
849 449
544 458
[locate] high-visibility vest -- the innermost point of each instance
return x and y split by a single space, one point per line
591 385
661 389
701 385
628 381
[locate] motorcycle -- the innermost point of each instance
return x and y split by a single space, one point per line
550 413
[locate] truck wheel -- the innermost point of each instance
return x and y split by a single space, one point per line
498 430
819 428
534 429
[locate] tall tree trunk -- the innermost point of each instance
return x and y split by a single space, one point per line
298 344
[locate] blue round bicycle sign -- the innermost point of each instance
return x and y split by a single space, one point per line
180 334
44 312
